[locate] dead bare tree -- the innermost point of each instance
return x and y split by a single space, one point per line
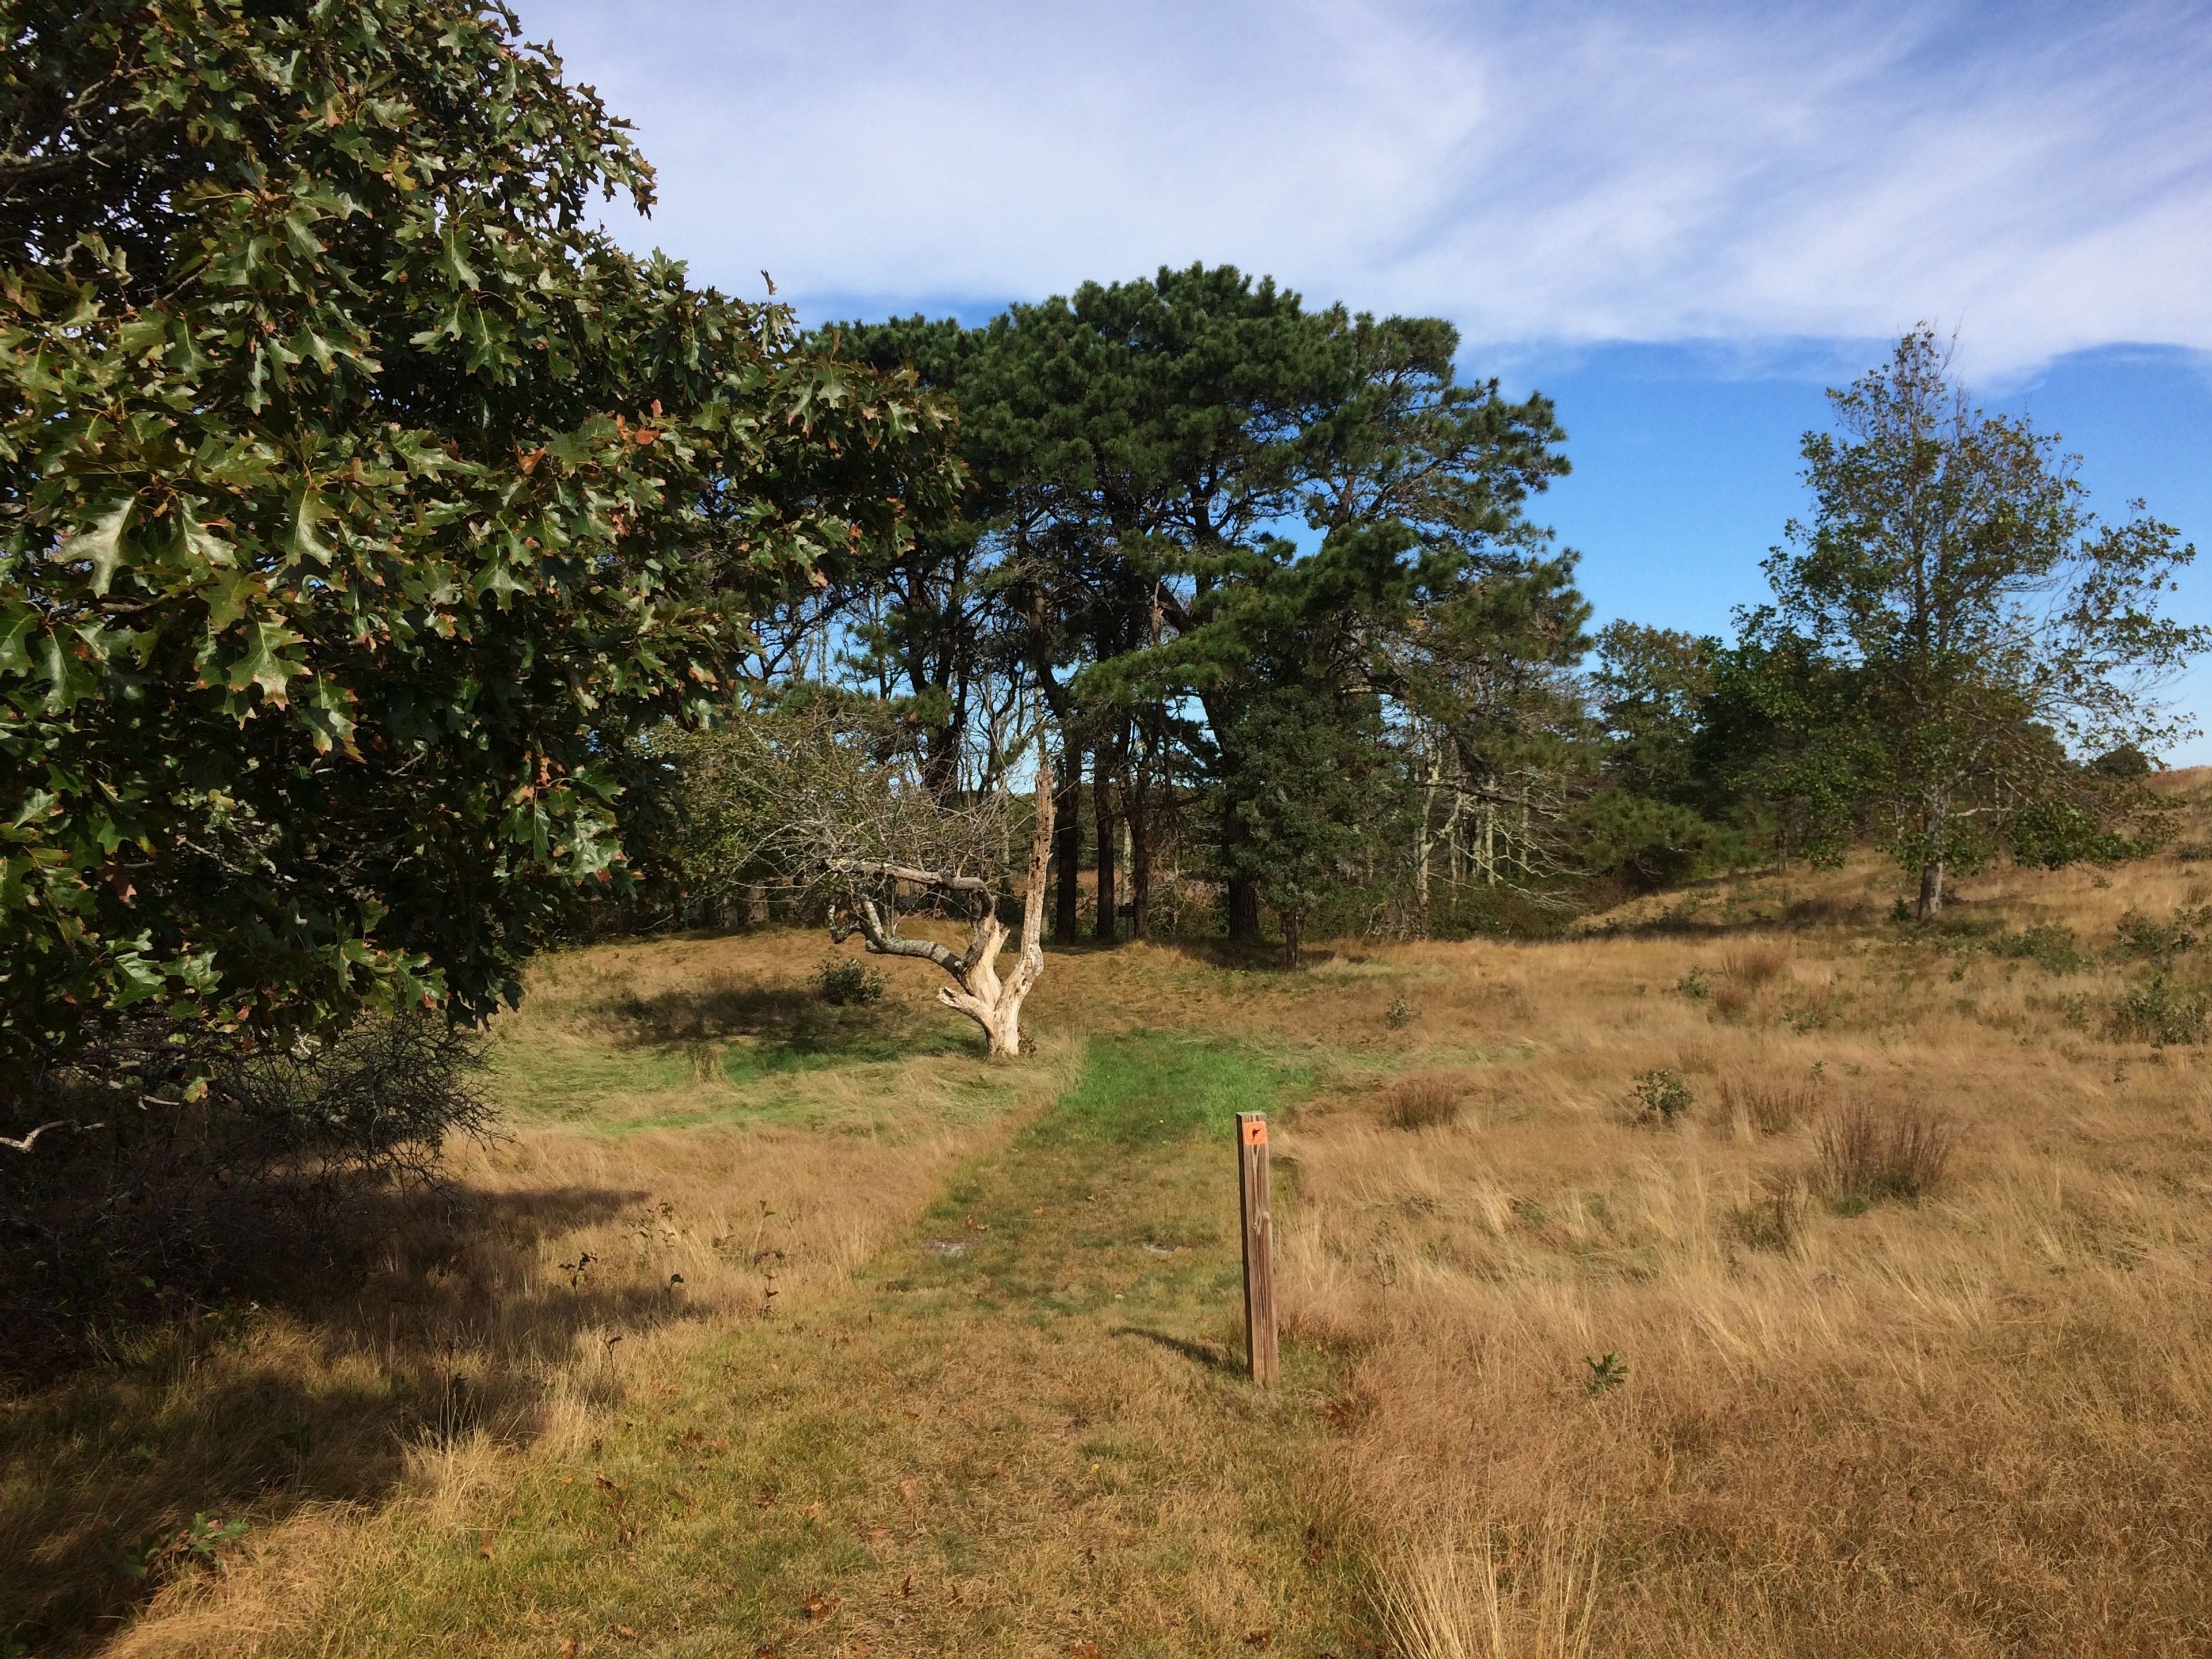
977 991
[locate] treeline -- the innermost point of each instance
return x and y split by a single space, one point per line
1266 579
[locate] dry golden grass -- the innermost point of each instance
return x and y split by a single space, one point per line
1976 1424
1560 1382
1761 1106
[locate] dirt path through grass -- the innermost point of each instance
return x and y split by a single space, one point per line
1023 1430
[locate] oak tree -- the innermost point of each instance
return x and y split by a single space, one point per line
358 497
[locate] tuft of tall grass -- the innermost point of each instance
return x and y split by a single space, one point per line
1444 1601
1426 1101
1863 1153
1774 1219
1767 1108
1731 999
1753 965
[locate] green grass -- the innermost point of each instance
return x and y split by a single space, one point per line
1147 1091
570 1083
1025 1428
1119 1200
619 1081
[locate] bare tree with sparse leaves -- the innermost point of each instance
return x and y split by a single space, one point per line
822 805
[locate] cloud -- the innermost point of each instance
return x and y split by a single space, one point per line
2039 174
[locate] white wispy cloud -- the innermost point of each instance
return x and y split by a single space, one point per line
2040 174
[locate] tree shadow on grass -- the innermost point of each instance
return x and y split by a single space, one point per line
1263 957
309 1384
1798 916
782 1028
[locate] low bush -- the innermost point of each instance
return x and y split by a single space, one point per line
160 1173
847 983
2048 945
2138 935
1864 1154
2158 1014
1661 1097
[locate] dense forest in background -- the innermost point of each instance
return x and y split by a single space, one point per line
397 576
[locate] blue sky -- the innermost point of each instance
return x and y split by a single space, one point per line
1682 222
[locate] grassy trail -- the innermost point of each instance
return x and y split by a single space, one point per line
1023 1430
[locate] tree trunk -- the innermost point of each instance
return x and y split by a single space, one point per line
1067 850
1294 939
1241 893
1106 927
1931 891
1140 859
1931 872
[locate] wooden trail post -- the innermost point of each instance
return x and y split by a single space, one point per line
1258 1245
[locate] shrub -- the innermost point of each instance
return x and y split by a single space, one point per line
1693 986
159 1195
2049 945
1607 1372
2158 1014
1661 1097
848 981
2192 852
2138 935
1864 1155
1423 1102
1771 1108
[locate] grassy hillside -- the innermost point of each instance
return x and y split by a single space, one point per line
1747 1274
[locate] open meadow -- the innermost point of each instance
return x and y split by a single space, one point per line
1747 1273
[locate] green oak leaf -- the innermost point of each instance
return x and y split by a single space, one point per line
260 663
103 544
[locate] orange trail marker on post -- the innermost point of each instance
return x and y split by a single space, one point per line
1258 1245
